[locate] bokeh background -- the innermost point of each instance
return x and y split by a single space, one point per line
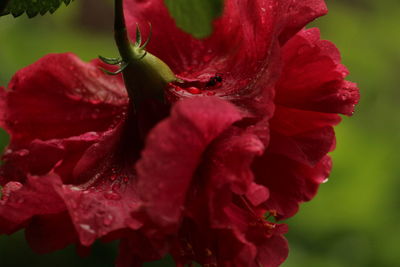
354 221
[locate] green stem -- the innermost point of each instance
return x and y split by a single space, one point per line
120 32
124 46
145 75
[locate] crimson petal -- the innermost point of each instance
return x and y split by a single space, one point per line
60 96
173 151
313 78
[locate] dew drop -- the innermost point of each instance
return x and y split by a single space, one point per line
113 177
325 181
194 90
87 228
22 152
344 96
108 220
13 186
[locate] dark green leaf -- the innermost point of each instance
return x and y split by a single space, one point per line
195 16
32 7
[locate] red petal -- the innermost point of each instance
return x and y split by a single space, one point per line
241 28
304 136
174 150
38 207
219 224
39 157
96 212
289 182
299 14
135 249
257 194
272 252
104 196
60 96
291 121
51 232
20 203
228 161
313 78
243 47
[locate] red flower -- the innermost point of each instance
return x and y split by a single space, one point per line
248 137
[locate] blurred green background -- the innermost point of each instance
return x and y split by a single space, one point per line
354 220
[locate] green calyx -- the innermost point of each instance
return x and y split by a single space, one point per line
145 75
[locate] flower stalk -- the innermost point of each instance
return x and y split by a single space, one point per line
120 32
145 75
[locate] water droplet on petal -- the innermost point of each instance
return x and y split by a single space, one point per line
108 220
325 181
113 177
87 228
194 90
22 152
75 188
344 96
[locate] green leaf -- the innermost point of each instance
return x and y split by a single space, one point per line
31 7
195 16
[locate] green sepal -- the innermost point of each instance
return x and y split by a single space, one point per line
148 38
111 61
123 66
138 36
138 42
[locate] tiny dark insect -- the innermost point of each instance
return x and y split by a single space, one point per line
214 80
